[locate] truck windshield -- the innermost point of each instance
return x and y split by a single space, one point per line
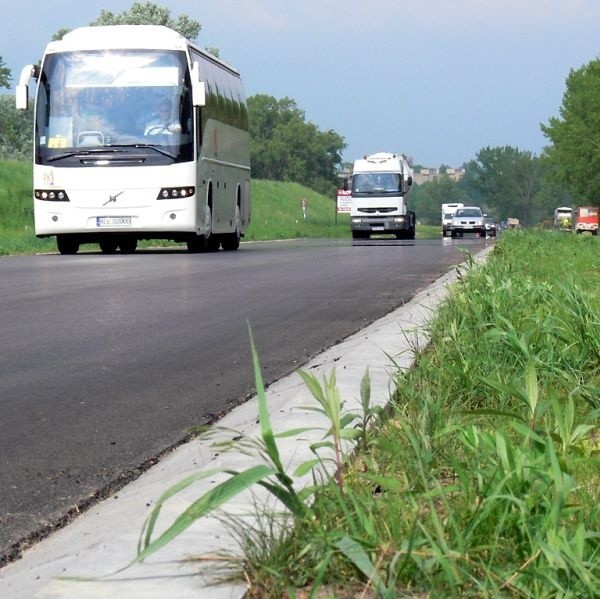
383 183
128 101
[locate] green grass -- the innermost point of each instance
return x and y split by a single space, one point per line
276 214
16 211
484 478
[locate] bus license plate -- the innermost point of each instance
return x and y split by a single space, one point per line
113 221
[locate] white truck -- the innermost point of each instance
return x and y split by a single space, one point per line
448 211
380 186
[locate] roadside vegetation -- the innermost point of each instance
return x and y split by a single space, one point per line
17 234
482 479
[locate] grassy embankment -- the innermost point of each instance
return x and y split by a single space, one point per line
482 479
276 214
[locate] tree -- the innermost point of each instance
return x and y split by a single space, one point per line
285 147
17 130
5 75
149 13
146 13
506 182
574 155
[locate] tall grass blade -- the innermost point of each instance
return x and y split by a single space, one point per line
206 504
263 411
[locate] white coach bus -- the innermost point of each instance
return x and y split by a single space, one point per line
139 134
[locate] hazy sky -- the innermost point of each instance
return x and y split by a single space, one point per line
436 79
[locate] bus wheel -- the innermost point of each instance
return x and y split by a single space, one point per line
213 243
128 245
108 245
67 244
197 244
231 241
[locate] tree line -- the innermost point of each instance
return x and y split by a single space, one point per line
504 181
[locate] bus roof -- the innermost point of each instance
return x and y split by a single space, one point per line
119 36
128 37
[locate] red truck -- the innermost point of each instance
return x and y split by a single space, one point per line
586 219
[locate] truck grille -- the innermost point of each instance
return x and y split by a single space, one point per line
376 210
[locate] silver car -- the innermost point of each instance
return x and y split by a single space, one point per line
468 220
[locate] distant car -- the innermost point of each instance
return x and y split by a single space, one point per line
490 227
468 220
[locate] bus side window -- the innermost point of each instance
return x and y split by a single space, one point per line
199 131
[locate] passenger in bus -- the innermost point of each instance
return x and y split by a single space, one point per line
89 113
91 120
116 110
162 122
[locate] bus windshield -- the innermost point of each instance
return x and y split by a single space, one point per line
127 101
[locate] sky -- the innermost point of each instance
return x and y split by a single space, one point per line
434 79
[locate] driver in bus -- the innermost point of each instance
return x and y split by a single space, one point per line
162 121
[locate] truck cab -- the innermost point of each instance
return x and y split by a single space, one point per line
586 220
379 189
563 218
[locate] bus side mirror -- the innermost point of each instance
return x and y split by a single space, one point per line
199 93
409 181
198 87
22 89
22 97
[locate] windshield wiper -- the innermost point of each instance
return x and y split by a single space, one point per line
152 147
112 148
86 152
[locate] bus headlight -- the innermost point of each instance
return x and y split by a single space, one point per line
170 193
51 195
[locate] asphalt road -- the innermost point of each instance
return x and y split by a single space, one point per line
106 361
